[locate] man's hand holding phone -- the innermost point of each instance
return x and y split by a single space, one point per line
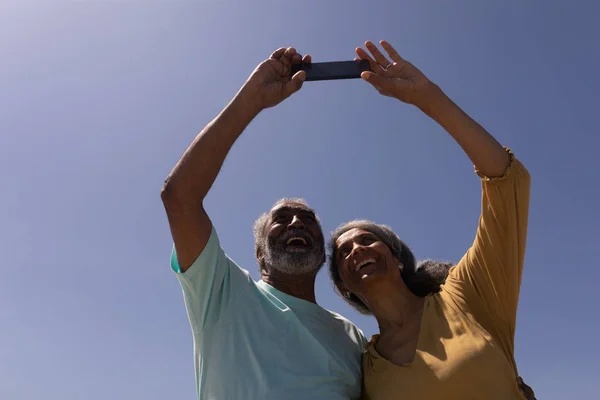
272 81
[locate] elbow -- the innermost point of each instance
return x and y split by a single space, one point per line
166 190
171 199
169 193
176 200
522 181
524 175
527 176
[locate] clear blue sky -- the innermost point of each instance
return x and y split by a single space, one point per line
98 99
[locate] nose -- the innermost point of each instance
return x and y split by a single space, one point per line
297 222
357 248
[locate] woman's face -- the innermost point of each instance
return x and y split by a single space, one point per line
363 260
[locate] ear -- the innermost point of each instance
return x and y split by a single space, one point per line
400 265
343 290
260 257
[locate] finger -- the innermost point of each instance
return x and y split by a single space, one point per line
391 52
363 55
381 83
287 57
296 59
307 59
295 83
299 76
278 53
288 54
379 57
374 79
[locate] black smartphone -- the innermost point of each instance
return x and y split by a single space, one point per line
325 71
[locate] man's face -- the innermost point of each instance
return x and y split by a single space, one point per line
294 242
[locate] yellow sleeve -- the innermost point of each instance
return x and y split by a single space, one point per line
487 280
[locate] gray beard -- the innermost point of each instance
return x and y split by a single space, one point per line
293 262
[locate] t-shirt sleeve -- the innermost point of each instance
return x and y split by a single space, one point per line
207 284
361 338
487 279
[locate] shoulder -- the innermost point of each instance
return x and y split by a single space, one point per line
339 317
212 253
351 329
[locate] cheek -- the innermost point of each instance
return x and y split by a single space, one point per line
382 249
317 234
276 227
349 280
343 270
274 231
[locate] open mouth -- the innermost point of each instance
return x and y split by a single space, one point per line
297 243
365 267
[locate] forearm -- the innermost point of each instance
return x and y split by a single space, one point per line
488 156
194 174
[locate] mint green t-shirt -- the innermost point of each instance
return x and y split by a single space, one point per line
252 341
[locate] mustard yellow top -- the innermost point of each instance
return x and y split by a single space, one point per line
466 342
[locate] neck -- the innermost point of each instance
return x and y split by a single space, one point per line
398 311
301 286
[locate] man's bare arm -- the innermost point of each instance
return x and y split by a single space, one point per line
192 177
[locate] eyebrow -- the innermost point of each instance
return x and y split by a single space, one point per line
287 209
359 236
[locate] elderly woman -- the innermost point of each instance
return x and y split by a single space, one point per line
458 342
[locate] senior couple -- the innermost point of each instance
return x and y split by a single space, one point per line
446 331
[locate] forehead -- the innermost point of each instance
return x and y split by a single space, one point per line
291 207
352 235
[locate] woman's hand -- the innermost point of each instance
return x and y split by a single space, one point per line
396 77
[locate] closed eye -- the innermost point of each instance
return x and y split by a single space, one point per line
281 218
307 216
367 240
343 252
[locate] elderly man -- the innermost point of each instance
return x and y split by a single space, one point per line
267 339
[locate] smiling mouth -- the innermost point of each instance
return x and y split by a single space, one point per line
364 264
296 241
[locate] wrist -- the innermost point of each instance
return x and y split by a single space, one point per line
436 103
248 100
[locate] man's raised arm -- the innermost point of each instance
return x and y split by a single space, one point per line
192 177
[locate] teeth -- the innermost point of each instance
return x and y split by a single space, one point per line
363 263
290 240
